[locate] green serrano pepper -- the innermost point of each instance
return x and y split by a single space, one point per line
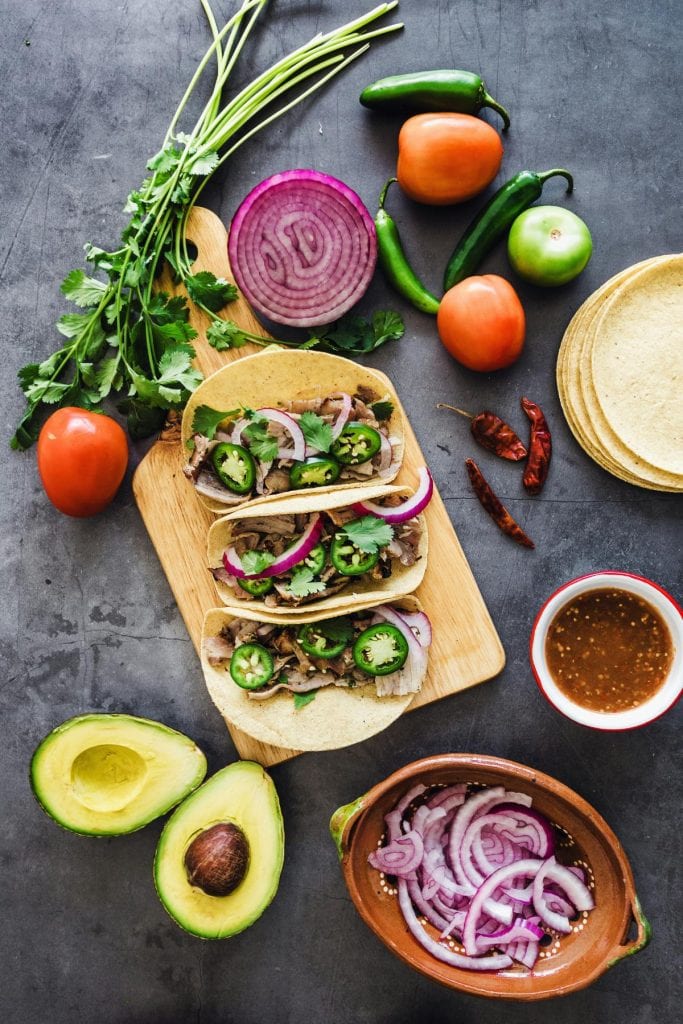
494 219
459 91
394 261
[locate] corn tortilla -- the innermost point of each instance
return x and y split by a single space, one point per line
273 378
403 580
336 718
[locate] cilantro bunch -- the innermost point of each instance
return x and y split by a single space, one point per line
126 339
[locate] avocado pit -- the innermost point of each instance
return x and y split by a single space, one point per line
216 860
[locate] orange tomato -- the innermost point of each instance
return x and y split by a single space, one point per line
447 158
481 322
82 459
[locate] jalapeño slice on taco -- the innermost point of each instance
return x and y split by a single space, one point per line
271 424
315 683
322 552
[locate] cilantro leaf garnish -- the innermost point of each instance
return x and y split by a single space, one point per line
369 533
254 562
382 410
205 289
351 335
262 445
386 326
206 420
303 583
302 699
317 432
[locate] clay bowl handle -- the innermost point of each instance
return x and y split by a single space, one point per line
643 936
342 821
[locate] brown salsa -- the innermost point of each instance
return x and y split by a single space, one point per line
608 650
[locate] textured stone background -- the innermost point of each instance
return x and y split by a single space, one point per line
87 619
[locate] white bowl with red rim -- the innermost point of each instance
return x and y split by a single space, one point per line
667 694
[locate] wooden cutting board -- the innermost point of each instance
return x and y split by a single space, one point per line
466 648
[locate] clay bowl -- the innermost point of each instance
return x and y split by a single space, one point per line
599 940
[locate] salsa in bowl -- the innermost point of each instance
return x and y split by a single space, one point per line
607 650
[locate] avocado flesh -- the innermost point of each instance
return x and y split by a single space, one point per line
242 794
106 775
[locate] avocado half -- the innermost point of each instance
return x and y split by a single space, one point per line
242 794
107 775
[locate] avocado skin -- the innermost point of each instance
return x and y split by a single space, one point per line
97 720
245 794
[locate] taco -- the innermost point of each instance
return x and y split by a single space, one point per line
324 550
290 422
312 683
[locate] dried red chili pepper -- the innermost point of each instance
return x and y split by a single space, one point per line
494 506
493 433
540 449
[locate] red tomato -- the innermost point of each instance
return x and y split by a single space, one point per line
82 459
447 158
481 322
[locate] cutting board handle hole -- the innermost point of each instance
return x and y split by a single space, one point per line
192 250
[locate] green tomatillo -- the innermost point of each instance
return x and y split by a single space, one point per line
549 245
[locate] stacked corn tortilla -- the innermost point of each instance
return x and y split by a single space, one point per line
620 374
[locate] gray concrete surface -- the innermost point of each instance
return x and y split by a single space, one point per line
88 620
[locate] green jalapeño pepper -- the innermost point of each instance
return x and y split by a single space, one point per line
461 92
494 219
325 639
257 588
356 444
251 666
350 560
380 649
314 472
394 262
234 466
315 559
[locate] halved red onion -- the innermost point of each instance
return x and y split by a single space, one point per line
401 857
298 450
292 555
407 509
303 248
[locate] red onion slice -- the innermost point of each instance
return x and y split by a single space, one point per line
401 857
578 894
343 417
417 652
407 509
520 931
294 554
302 248
529 868
489 963
297 452
421 627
